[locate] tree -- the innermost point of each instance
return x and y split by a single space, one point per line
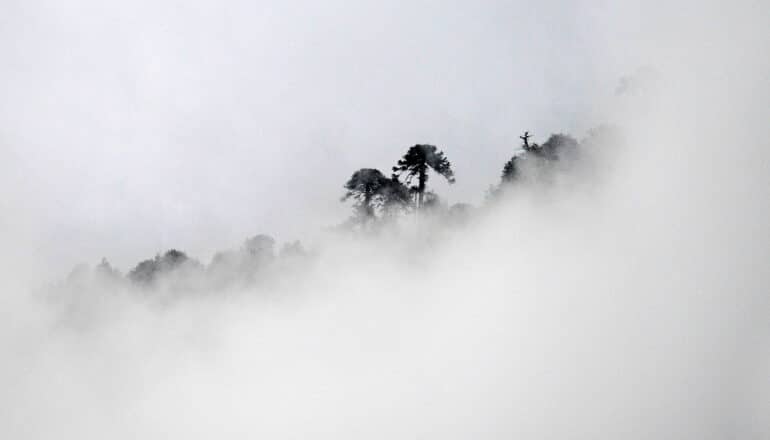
540 158
367 186
105 271
525 142
148 271
556 146
415 164
259 246
292 250
144 272
395 197
510 170
242 265
257 252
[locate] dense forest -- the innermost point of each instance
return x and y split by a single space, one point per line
378 202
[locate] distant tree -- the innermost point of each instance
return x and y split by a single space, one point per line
260 246
258 252
79 275
173 259
292 249
365 186
416 163
525 142
104 270
556 146
145 272
510 170
241 266
148 271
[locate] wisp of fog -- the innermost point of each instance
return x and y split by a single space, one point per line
620 294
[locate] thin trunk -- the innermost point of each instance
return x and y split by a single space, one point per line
421 186
368 205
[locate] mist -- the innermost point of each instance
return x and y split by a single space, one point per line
626 298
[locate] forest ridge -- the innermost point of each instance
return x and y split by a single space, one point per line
377 200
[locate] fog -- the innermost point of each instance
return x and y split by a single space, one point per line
626 298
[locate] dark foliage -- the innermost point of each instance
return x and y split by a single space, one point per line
372 190
364 186
510 170
416 163
557 147
149 271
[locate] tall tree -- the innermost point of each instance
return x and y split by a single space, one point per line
415 164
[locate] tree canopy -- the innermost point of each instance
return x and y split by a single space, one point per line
417 161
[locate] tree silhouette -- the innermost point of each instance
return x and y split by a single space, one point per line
415 164
105 271
260 246
525 142
541 158
372 191
148 271
365 186
510 170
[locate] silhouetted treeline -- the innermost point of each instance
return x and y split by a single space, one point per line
174 271
374 193
378 200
